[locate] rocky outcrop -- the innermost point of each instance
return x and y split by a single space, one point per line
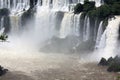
3 71
112 63
103 62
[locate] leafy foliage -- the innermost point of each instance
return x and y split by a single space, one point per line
111 7
88 5
78 8
3 37
100 12
110 1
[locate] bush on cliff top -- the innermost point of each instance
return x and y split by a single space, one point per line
88 5
110 1
111 7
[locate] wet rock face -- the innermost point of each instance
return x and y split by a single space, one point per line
3 71
33 3
112 63
119 33
4 12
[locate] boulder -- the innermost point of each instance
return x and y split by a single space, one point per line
103 62
2 71
110 60
114 65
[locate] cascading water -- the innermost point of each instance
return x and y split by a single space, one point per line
99 34
76 25
2 29
2 23
66 25
46 20
109 39
52 26
15 6
15 24
86 29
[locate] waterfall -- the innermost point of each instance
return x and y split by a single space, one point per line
2 23
15 6
55 18
109 39
63 5
66 25
70 25
15 23
86 29
44 24
99 34
2 28
77 26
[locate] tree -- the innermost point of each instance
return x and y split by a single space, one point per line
78 8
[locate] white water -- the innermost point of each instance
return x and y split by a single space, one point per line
99 34
15 6
44 28
66 25
77 26
86 30
15 24
2 26
109 40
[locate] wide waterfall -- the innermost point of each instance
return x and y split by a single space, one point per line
48 40
14 5
108 42
54 19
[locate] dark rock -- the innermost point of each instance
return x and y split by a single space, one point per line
78 8
110 60
114 67
117 59
3 71
33 3
103 62
4 12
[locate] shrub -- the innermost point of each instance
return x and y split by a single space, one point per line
88 5
115 8
78 8
110 1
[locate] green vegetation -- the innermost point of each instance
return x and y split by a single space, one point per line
87 6
118 78
78 8
110 8
112 63
3 37
110 1
101 12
